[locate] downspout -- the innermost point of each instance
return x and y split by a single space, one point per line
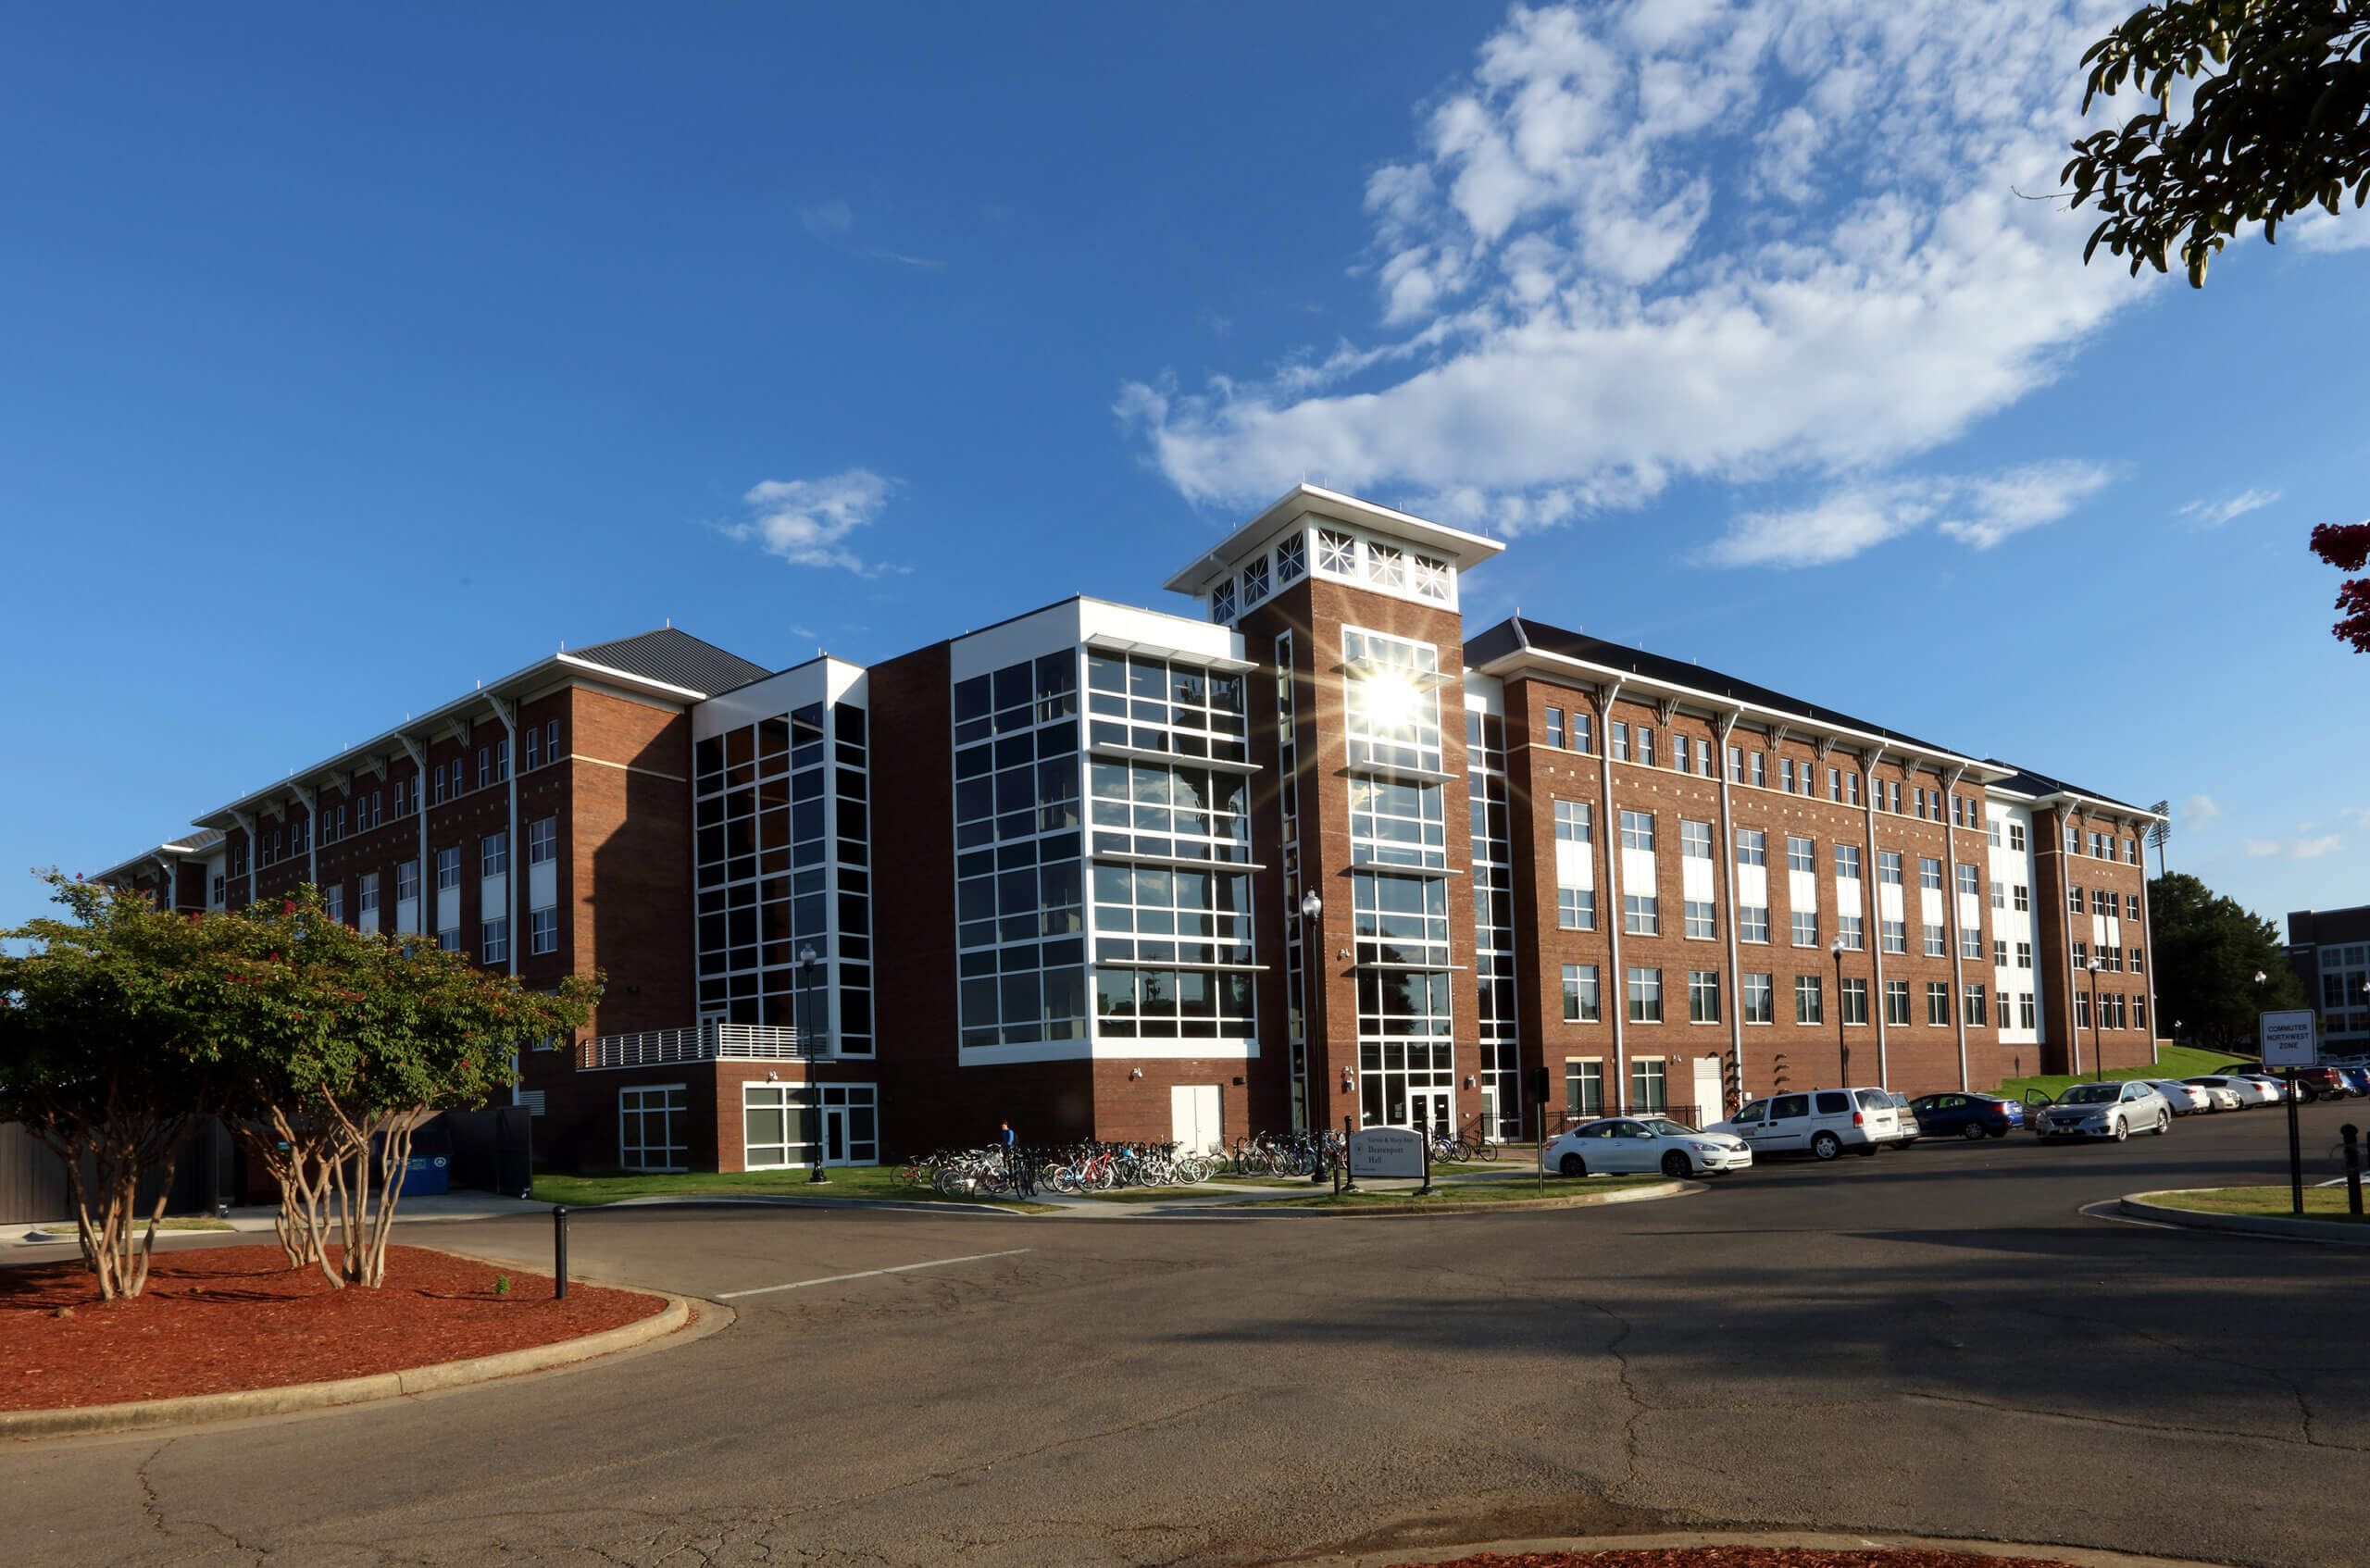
2073 977
312 834
1877 951
2148 932
1722 727
1958 947
1609 833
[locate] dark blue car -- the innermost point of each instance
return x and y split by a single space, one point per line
1971 1117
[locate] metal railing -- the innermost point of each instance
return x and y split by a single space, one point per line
700 1042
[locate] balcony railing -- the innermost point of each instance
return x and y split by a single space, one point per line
700 1042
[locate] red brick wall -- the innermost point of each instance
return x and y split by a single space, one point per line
2056 929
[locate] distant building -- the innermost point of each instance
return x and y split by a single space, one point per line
1057 871
2330 949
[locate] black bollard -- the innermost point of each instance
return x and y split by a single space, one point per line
2353 1136
560 1254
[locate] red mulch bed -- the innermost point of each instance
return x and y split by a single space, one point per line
1745 1557
214 1319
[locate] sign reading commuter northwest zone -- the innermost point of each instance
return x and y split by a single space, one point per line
1387 1152
2287 1040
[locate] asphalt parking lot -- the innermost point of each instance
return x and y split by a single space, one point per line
1935 1340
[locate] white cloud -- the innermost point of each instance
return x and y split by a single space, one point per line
1976 512
828 220
808 522
2213 514
2199 810
2293 849
1733 239
2320 230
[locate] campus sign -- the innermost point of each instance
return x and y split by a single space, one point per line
1387 1152
2287 1040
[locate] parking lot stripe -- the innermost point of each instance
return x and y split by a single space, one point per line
867 1274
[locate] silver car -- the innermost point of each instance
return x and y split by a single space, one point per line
2105 1110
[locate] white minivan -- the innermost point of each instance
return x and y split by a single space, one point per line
1822 1123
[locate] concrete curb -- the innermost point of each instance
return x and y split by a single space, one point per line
2336 1233
133 1416
1829 1540
1507 1205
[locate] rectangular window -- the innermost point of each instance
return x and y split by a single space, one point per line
1999 953
1584 1086
2015 835
1641 915
551 741
1581 1004
543 841
1804 924
367 901
1637 830
1575 823
2021 897
1645 996
1759 770
501 759
2073 900
1855 1000
543 928
1700 924
653 1128
437 795
2135 961
1970 880
1896 1001
1682 754
1736 764
1583 732
1895 934
2081 1010
1851 789
2081 955
1575 909
1937 941
2139 1012
1970 944
1802 855
1555 728
2024 955
1809 998
2026 1013
1752 847
1694 840
1850 931
1786 774
485 767
1753 923
1999 895
1847 863
534 748
1645 745
2131 906
1892 792
1930 874
1975 1006
1938 1003
1620 740
449 938
1889 867
1703 996
1649 1086
448 868
407 879
493 855
1754 997
333 902
1835 784
497 941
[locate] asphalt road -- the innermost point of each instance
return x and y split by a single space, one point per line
1936 1341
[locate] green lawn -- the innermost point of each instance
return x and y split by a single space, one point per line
2172 1062
878 1183
1462 1192
2320 1202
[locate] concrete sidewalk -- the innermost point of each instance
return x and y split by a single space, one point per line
257 1217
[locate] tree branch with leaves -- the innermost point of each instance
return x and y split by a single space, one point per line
2278 123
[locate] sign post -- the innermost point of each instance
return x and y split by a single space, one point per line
1538 1098
2287 1044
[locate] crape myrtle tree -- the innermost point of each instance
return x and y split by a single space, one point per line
2209 949
343 1043
2276 122
2347 547
108 1053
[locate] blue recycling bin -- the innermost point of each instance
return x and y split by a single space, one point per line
426 1175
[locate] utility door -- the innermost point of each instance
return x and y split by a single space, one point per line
1711 1106
1193 1118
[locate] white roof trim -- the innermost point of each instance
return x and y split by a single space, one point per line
1462 548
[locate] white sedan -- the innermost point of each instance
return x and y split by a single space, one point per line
2250 1092
1620 1144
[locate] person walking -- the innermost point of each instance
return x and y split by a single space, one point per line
1015 1160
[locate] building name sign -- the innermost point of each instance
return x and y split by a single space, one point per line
1387 1152
2287 1040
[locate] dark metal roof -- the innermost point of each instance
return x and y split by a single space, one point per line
1514 635
676 658
2028 782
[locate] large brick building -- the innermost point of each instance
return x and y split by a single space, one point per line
1312 853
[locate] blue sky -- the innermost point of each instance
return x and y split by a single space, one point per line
352 357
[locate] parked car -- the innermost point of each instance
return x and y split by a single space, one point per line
2356 1078
1614 1145
1912 1129
2323 1082
2248 1093
2105 1110
2186 1099
1971 1117
2221 1094
2270 1081
1822 1123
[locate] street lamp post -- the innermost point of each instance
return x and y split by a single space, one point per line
813 1060
1311 1003
1843 1044
2098 1052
